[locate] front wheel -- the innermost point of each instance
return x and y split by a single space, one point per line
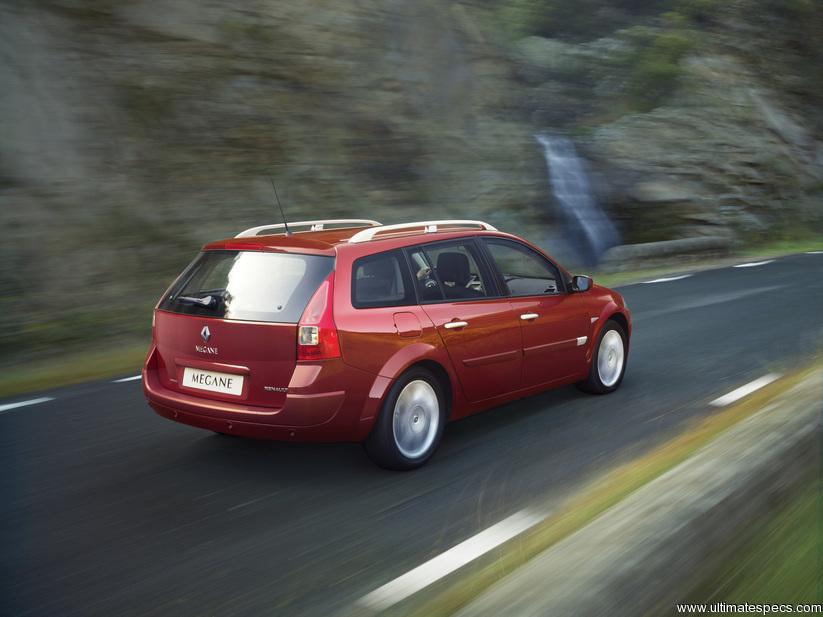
410 424
608 361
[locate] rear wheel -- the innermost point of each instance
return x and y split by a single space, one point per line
608 361
410 424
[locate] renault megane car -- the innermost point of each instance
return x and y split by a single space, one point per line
348 330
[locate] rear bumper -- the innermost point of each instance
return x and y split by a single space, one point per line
326 415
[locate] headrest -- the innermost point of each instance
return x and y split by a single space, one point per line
453 268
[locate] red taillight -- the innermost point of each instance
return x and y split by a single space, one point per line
316 334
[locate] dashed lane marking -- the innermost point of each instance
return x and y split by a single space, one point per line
456 557
668 279
743 391
125 379
33 401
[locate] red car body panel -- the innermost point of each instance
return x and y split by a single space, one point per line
552 341
486 355
498 358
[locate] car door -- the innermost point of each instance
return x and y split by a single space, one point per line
478 326
555 323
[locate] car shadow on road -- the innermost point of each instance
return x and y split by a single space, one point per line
329 463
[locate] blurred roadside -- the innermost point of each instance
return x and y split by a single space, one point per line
682 523
132 133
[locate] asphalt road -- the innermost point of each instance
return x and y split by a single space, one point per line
108 509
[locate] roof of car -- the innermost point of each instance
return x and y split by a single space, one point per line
325 242
321 242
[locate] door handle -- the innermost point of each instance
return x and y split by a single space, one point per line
529 316
455 324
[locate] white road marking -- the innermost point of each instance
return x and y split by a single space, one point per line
125 379
456 557
755 264
814 252
667 279
743 391
34 401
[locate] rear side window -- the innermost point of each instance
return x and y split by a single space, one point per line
248 285
381 280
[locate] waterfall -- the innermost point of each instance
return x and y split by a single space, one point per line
585 225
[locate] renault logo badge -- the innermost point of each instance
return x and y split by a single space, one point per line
205 334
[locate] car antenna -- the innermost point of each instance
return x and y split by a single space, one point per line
283 214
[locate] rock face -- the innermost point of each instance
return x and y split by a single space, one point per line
720 154
732 148
134 132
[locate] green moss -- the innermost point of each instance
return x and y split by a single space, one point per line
655 67
577 21
782 564
699 10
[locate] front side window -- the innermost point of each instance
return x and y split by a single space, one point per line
381 280
524 272
448 271
248 285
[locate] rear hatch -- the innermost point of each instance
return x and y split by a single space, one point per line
227 328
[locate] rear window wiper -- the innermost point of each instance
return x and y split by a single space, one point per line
206 302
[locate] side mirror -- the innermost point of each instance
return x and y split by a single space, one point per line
581 283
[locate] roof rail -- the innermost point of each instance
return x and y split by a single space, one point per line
312 226
428 227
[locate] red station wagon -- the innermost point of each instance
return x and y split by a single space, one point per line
348 330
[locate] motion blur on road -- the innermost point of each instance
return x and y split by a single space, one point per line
673 148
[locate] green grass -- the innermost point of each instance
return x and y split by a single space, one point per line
120 359
782 564
785 247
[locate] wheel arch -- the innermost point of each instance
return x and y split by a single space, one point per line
443 378
614 313
620 318
423 356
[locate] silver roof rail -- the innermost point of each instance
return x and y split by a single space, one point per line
312 226
428 227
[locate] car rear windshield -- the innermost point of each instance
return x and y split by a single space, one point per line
248 285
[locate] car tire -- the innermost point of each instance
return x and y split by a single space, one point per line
411 422
609 359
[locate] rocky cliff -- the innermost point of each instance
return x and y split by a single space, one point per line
134 131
